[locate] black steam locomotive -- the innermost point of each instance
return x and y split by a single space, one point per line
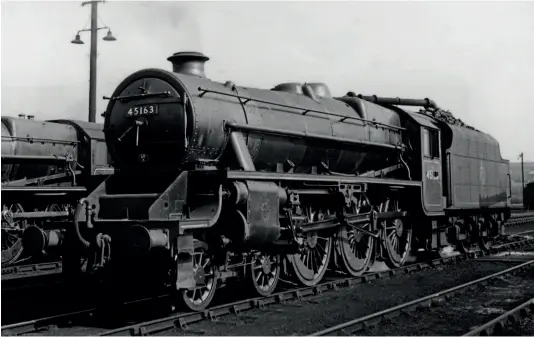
47 166
528 196
215 182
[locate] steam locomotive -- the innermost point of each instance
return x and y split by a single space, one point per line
216 182
528 196
46 168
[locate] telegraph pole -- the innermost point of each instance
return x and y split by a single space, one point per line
93 54
92 64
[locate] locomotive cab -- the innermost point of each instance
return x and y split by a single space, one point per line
430 162
432 169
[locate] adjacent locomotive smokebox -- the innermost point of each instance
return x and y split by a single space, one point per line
189 63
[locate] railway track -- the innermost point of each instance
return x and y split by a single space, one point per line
497 325
82 320
520 218
437 299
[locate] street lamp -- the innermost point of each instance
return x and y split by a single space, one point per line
93 54
108 37
77 40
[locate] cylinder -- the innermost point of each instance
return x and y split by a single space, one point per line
239 192
141 240
35 240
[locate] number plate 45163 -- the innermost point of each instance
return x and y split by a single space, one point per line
143 110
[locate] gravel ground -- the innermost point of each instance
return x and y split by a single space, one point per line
41 301
331 308
525 328
464 312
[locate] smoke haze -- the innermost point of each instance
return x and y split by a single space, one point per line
475 59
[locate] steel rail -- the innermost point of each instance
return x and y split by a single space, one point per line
340 329
37 325
182 320
496 325
530 231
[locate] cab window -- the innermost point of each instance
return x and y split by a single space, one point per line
426 143
430 143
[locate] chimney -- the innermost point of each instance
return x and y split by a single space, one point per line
189 63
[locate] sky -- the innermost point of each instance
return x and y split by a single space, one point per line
475 59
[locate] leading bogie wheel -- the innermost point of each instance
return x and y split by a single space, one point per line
396 237
204 271
263 273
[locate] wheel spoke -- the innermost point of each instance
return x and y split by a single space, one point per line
315 261
321 247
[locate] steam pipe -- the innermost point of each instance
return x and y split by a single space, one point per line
79 208
426 102
16 159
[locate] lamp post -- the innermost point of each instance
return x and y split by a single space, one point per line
93 54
